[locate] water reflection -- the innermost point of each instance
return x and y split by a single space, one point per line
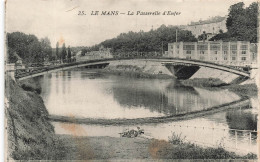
97 96
88 95
167 96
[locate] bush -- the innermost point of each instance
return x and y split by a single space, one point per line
176 139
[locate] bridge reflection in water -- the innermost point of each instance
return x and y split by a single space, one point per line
168 96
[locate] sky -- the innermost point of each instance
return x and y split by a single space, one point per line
59 20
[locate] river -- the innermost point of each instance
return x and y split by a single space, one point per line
85 94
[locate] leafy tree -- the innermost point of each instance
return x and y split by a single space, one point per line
28 47
203 36
63 53
151 41
11 57
241 23
84 51
57 50
46 47
69 54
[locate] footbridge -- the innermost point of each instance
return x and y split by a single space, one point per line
173 64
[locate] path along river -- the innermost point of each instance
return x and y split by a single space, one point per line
84 94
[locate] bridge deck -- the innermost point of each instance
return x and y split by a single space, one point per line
50 69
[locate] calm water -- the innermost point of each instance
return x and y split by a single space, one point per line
88 95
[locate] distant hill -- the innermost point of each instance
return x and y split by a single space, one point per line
146 41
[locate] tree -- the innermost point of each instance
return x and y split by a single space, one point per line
36 51
27 47
203 36
11 57
235 13
46 47
69 54
150 41
57 51
63 53
242 22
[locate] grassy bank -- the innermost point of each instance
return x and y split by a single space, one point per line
213 84
204 82
243 90
30 135
31 84
83 148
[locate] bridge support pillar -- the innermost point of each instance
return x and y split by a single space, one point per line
182 71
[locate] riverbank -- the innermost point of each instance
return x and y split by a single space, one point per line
31 84
82 148
137 69
213 84
32 137
135 73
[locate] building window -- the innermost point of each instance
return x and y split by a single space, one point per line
244 52
225 52
189 47
201 52
171 47
178 46
225 58
233 47
243 58
216 52
188 57
233 58
188 52
243 47
234 52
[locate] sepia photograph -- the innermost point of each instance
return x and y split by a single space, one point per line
132 80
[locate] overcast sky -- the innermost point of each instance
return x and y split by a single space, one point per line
59 20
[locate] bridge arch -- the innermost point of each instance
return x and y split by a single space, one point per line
102 62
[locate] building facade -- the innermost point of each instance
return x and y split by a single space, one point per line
238 53
93 55
211 26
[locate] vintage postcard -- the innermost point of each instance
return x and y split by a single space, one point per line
133 80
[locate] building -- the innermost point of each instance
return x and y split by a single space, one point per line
92 55
240 53
211 26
